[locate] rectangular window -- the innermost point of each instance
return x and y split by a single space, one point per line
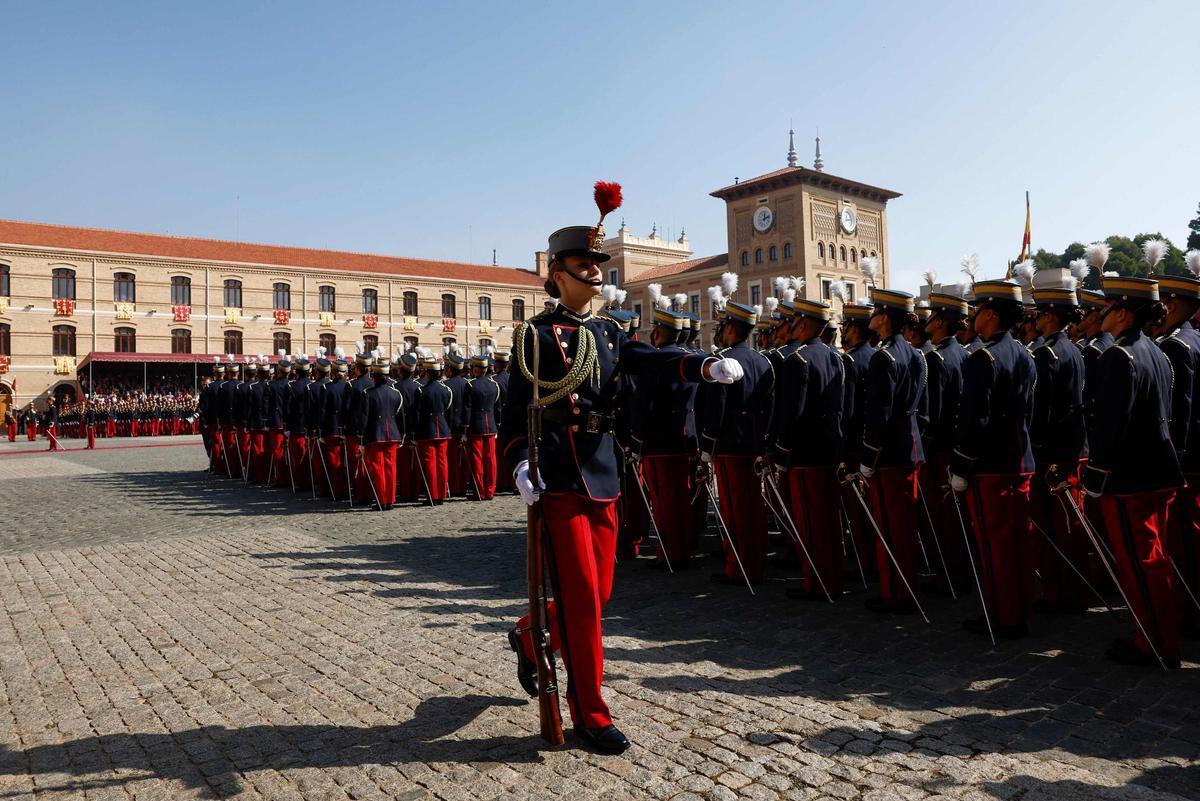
370 342
755 294
518 310
181 290
329 342
370 301
124 288
410 304
637 309
233 342
849 292
64 284
695 303
4 270
181 340
233 295
327 297
281 297
826 288
612 276
282 341
5 340
64 340
485 308
124 340
449 307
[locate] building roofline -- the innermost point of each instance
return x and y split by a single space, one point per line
790 176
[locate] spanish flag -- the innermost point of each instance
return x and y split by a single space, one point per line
1025 241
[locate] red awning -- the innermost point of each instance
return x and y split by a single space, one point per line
99 357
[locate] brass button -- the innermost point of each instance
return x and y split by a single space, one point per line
610 347
574 428
557 330
568 360
564 344
576 410
574 396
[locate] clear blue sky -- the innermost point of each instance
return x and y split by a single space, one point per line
442 130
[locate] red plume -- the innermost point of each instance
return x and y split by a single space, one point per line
608 197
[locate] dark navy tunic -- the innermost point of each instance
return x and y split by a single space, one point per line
1182 347
944 388
663 413
808 407
895 406
481 405
737 417
996 409
1057 430
433 411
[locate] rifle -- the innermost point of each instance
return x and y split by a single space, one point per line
549 714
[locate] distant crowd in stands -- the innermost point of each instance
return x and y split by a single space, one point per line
112 412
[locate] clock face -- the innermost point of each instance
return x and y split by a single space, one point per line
763 219
849 220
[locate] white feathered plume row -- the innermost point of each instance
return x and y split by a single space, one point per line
1154 251
1080 269
758 309
930 277
608 294
1097 255
656 297
680 300
1111 273
729 284
772 303
1192 260
1023 272
621 295
970 267
780 283
789 295
838 290
717 297
870 268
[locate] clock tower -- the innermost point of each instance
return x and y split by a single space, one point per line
805 222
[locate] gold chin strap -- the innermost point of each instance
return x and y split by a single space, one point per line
583 365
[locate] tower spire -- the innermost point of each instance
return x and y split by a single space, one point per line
818 164
791 158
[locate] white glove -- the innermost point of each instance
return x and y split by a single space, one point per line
958 483
705 457
865 472
529 493
725 371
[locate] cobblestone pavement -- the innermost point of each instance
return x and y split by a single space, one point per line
167 636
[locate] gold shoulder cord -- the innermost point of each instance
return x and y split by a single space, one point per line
582 364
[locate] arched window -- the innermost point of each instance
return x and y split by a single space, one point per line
518 305
64 283
787 250
329 342
124 340
327 297
485 308
410 344
758 256
832 252
821 250
5 339
64 340
233 296
181 340
853 256
484 344
774 253
281 297
181 290
370 303
370 342
281 341
4 270
863 253
843 253
448 307
745 258
233 342
446 343
410 304
124 288
872 254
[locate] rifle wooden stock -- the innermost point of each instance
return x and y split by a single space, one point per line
549 714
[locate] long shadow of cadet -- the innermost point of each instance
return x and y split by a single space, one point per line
211 757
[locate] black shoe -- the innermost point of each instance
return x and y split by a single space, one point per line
606 740
1124 652
526 669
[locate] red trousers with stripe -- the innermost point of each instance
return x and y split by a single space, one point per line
12 431
362 490
320 485
91 437
275 452
999 509
893 499
580 547
934 480
744 513
259 463
435 458
231 448
1183 542
216 442
1056 518
334 452
298 448
379 464
669 484
1137 529
482 450
811 498
459 475
409 485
